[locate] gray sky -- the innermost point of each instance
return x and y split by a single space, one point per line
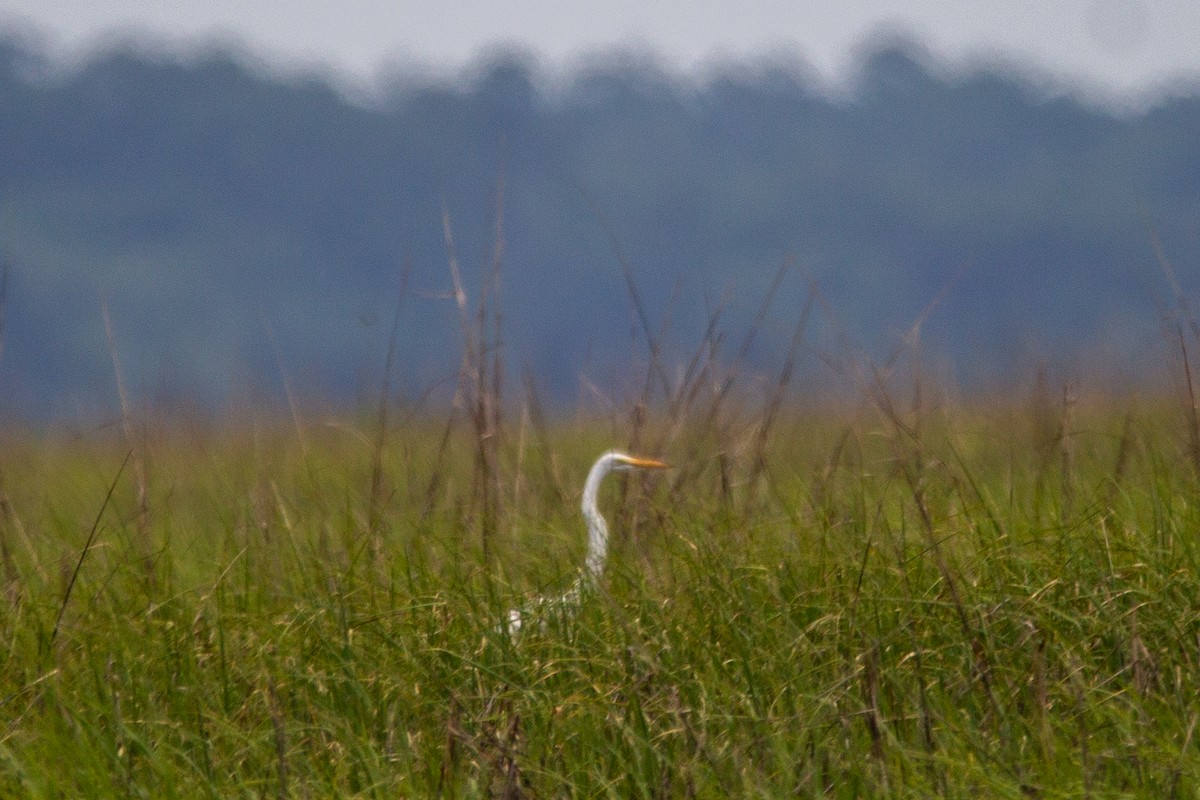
1114 48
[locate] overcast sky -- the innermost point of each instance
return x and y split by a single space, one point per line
1112 47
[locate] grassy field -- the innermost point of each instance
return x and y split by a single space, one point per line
996 600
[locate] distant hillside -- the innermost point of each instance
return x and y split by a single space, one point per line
208 204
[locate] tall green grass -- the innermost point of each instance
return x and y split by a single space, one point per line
993 600
903 596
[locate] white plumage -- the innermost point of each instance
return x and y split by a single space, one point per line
597 549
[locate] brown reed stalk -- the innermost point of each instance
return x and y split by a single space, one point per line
12 578
1193 411
872 716
1066 443
908 447
710 423
468 390
275 709
1183 315
758 463
639 308
537 420
375 504
136 446
289 392
1121 462
480 376
489 381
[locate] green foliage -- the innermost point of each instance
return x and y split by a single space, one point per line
978 604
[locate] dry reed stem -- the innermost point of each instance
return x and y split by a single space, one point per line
289 392
136 447
1066 442
1193 410
774 402
275 709
375 498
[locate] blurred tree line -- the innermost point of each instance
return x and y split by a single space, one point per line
238 223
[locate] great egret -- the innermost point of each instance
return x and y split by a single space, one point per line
597 549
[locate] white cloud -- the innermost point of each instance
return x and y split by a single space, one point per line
1117 46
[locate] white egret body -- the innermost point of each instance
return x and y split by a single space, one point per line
597 549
